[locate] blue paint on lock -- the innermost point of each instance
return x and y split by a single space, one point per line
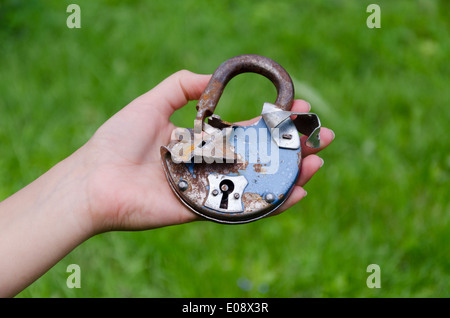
270 169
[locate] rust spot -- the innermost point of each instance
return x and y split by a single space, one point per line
299 158
253 202
219 123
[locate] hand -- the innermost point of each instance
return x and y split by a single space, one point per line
114 182
127 188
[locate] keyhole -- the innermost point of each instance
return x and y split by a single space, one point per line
227 187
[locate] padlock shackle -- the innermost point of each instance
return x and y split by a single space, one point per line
249 63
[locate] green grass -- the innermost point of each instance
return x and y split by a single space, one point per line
381 197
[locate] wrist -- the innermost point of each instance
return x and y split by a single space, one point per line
61 194
42 223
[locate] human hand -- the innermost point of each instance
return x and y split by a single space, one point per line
126 186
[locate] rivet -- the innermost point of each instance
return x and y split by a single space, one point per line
215 192
269 197
236 196
183 185
286 136
224 188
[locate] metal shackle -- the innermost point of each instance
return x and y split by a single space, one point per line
249 63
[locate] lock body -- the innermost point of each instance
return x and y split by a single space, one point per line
236 174
237 192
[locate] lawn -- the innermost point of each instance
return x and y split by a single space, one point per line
382 196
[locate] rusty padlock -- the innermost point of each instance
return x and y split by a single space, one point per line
232 173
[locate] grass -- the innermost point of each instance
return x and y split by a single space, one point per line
381 197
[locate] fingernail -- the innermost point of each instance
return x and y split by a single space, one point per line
334 135
322 162
309 105
305 193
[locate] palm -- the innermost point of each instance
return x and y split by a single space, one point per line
130 179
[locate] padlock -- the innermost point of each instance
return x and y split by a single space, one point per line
231 173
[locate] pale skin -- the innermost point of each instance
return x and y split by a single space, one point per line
115 182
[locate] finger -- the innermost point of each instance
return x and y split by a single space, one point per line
300 106
175 91
297 194
326 137
310 165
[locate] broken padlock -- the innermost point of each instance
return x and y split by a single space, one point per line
232 173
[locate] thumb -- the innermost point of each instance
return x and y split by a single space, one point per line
176 91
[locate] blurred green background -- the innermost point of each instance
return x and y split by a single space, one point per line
382 196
